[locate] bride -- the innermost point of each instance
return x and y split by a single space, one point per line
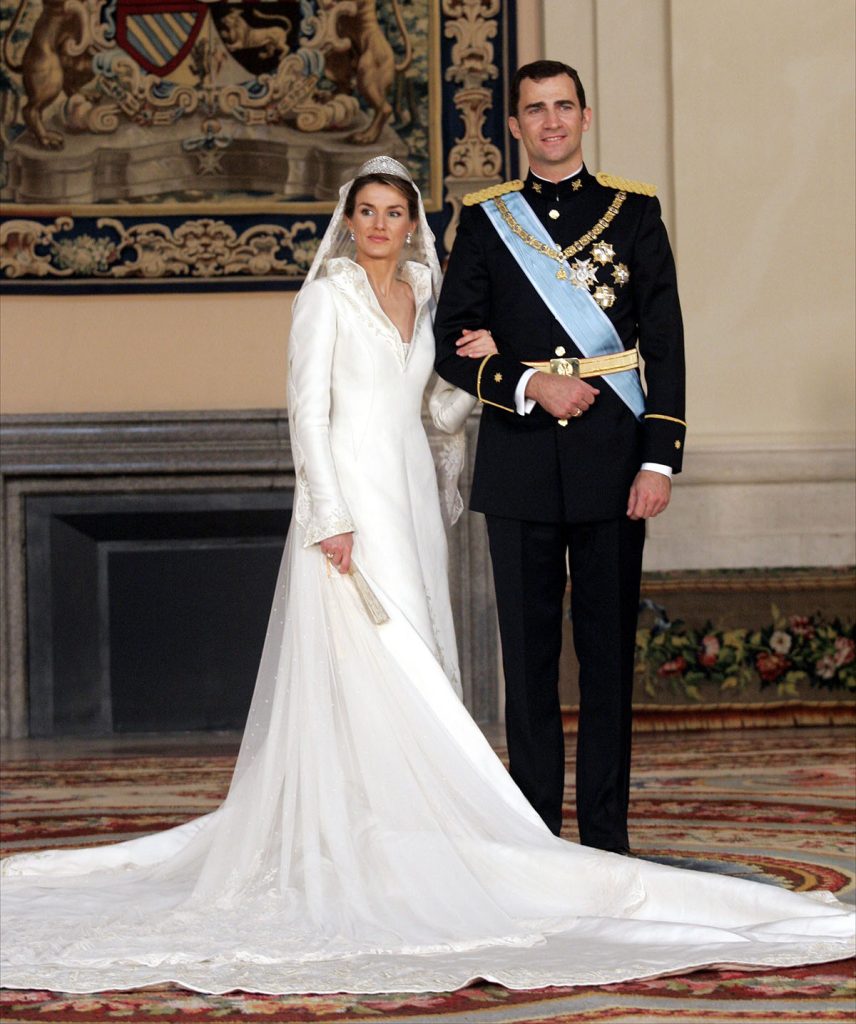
370 840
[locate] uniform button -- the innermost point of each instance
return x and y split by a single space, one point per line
553 214
677 444
560 351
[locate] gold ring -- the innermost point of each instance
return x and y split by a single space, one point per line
579 412
329 554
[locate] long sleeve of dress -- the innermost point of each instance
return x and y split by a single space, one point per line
320 508
448 405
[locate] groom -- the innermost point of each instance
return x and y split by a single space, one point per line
571 272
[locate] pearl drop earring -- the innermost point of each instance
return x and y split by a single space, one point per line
409 238
353 237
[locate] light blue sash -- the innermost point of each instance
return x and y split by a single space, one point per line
574 307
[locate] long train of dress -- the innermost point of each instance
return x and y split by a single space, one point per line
371 841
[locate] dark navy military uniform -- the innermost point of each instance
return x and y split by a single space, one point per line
550 490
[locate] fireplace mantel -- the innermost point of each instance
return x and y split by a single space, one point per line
203 453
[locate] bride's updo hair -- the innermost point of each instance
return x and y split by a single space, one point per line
401 185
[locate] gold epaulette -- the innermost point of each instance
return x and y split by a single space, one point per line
625 185
491 192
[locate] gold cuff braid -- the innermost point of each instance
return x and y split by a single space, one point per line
668 419
481 398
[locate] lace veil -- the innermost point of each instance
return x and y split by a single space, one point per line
337 237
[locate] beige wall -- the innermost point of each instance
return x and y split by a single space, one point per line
146 352
742 113
778 158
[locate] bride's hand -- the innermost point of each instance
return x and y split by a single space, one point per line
476 344
338 550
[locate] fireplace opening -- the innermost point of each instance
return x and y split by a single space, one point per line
147 612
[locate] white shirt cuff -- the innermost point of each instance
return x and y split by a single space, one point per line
522 404
656 467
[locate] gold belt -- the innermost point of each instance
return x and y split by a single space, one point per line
597 366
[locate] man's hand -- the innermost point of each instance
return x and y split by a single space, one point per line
476 344
562 397
338 550
649 494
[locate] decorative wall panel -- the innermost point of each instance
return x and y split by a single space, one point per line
176 143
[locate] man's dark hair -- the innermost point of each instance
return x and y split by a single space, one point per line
401 185
538 70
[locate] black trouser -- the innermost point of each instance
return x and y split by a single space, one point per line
530 577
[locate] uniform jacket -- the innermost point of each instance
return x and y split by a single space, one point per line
530 467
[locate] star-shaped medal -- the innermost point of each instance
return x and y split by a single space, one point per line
536 187
583 273
576 185
620 273
602 252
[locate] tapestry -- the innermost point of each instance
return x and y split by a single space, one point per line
203 142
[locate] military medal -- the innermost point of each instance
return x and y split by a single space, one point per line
604 296
583 274
620 274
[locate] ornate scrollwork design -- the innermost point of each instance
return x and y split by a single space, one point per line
322 28
474 161
472 26
474 156
203 248
137 94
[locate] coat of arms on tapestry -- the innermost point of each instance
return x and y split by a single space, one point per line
179 140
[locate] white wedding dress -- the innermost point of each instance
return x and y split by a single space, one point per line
371 841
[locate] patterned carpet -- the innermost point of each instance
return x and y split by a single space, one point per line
773 805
